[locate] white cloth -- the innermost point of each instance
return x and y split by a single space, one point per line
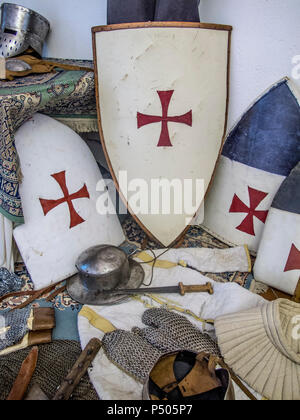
112 383
6 244
2 68
209 260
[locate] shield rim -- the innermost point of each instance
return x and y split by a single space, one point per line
138 25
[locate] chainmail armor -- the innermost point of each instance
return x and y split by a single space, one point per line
169 331
131 353
17 322
9 282
138 351
54 363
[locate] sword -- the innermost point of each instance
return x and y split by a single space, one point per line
180 288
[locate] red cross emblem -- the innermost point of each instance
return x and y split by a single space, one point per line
49 205
165 99
237 206
293 261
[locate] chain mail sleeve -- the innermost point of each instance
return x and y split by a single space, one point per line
13 327
9 282
137 352
131 353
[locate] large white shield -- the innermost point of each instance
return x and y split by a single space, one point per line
162 96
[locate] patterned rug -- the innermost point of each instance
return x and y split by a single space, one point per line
66 309
65 95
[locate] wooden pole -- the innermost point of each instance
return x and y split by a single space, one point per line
297 293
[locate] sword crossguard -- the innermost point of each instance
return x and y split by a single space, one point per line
207 288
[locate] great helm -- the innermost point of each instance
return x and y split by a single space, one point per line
21 28
101 269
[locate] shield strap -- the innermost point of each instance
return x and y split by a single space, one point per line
96 320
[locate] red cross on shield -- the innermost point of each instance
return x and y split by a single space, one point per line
48 205
293 261
238 206
165 119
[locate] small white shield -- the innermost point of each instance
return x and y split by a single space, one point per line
59 200
162 91
278 257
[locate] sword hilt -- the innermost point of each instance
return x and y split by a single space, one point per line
196 289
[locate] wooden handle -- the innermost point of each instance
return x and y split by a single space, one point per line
79 369
297 293
207 288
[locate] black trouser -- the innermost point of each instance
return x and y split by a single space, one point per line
124 11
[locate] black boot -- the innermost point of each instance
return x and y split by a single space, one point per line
125 11
177 10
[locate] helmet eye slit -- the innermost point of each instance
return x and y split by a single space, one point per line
10 31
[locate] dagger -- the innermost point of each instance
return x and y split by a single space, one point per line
181 288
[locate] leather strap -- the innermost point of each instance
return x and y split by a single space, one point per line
97 321
39 337
32 338
34 294
16 294
237 380
43 319
55 293
297 293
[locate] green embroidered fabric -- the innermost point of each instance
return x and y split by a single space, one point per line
68 96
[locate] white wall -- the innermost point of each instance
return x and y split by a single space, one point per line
264 40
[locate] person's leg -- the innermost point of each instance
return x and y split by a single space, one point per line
124 11
177 10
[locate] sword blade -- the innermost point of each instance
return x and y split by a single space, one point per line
167 289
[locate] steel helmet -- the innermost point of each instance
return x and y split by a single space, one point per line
21 28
